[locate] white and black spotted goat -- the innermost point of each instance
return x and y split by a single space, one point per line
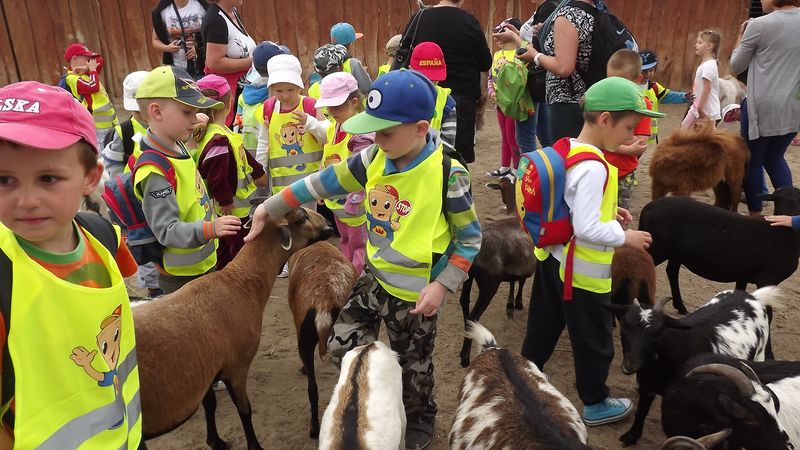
758 401
505 401
655 346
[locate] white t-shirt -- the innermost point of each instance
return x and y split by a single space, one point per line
192 17
708 71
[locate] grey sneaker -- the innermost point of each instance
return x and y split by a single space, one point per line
418 435
285 272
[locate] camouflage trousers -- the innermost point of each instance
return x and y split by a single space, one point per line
411 336
626 190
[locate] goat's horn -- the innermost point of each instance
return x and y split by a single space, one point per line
659 306
287 246
737 376
682 443
712 440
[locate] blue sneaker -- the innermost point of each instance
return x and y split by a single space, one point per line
607 411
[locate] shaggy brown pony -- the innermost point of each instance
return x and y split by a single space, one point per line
690 161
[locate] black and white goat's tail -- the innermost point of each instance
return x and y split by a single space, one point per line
481 336
769 296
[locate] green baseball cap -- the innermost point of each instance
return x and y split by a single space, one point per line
617 94
174 83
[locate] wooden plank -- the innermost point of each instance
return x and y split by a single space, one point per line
370 41
286 25
308 35
116 65
19 27
8 63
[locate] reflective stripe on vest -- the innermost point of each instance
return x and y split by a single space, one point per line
441 101
405 224
102 108
244 181
194 205
334 154
591 268
293 154
59 401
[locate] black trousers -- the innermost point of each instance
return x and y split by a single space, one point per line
566 120
588 323
465 127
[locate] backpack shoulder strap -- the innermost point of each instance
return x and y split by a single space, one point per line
269 107
6 285
154 158
100 228
126 129
310 106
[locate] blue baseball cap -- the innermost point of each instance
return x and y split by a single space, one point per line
263 53
398 97
344 33
649 59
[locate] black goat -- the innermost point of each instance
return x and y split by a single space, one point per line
655 345
759 401
722 246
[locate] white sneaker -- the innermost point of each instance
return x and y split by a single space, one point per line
285 272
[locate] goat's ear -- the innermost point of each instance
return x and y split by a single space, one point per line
675 324
286 237
618 310
731 407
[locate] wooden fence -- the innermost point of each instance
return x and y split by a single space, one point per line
34 33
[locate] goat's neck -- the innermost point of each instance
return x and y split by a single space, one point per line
259 262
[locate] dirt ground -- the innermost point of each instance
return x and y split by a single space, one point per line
278 390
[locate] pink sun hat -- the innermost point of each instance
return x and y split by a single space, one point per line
43 116
336 88
215 83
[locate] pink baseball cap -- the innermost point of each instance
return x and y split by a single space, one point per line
43 116
335 89
428 58
215 83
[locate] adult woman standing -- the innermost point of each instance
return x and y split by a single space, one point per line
176 33
466 54
566 51
769 48
228 46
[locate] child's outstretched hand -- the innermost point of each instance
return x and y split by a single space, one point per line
92 65
260 217
300 116
779 221
638 239
227 226
430 299
624 217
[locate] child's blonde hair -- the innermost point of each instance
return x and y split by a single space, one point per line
200 132
625 63
713 37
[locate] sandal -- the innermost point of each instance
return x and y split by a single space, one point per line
498 173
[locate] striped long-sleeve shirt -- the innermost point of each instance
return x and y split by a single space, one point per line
351 176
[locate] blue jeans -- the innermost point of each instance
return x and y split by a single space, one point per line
766 153
538 123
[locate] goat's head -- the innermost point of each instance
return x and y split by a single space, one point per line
703 443
507 187
717 396
302 227
786 199
642 327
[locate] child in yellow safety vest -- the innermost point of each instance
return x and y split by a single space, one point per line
428 59
83 82
657 93
423 233
340 95
176 204
230 172
391 51
62 275
345 35
572 284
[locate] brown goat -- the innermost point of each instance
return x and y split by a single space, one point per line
633 276
690 161
320 282
210 330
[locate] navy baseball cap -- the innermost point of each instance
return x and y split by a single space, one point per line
263 53
398 97
649 59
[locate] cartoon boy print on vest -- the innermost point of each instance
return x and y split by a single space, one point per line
108 342
291 139
331 160
383 203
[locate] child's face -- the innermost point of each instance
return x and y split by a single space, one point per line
702 47
616 133
648 74
172 120
344 111
78 61
286 93
400 140
41 191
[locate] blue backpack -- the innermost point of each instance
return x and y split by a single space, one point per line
126 209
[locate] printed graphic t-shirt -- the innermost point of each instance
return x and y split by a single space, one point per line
192 17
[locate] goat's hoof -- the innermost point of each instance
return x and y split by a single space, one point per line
218 444
464 362
681 310
629 439
518 306
314 433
